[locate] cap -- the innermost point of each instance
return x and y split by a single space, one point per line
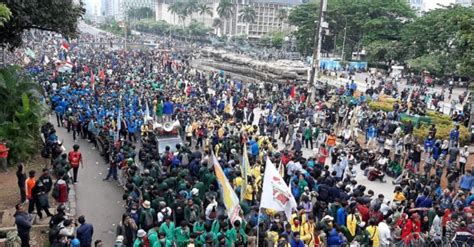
141 233
146 204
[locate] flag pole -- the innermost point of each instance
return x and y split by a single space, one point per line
258 223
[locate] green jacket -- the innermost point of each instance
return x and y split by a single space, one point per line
168 230
166 243
152 236
182 237
159 109
231 236
198 227
308 133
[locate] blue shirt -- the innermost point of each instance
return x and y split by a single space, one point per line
168 108
454 135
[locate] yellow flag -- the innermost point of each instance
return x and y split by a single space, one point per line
245 168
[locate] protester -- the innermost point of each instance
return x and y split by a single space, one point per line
23 224
172 192
21 177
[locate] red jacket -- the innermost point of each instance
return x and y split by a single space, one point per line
63 191
407 229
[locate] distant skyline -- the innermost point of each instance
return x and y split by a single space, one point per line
428 4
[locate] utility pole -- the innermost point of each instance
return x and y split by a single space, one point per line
344 42
317 43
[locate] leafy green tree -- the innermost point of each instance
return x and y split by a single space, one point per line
426 63
5 14
225 9
140 13
217 24
367 21
277 39
248 15
204 9
304 18
59 16
21 114
445 34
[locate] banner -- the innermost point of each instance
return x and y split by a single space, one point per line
276 194
230 199
245 169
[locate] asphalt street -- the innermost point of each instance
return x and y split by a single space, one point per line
99 201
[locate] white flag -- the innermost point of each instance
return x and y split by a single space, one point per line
276 194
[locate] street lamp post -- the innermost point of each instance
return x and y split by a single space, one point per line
344 40
317 43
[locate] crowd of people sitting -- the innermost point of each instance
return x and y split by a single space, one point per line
325 140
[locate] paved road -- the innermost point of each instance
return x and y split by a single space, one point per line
99 201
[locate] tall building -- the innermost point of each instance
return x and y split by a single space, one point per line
271 16
417 5
464 3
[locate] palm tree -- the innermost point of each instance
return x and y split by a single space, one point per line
225 11
176 8
190 7
204 10
248 15
282 15
217 24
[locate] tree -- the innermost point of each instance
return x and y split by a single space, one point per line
367 21
58 16
21 113
248 15
177 9
304 18
204 10
446 34
217 24
225 11
277 39
384 51
140 13
428 63
5 14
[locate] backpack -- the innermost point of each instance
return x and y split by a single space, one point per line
185 159
45 152
55 193
54 232
148 218
213 213
74 158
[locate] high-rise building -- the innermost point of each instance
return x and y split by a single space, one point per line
464 3
417 5
271 16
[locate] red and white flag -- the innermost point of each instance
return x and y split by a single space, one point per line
65 46
92 80
276 194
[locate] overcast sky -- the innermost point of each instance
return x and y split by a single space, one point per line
431 4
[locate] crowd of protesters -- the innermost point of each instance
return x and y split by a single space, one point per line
320 137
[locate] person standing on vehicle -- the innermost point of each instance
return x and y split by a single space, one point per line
75 159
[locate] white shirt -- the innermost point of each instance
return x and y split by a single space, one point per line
209 209
384 234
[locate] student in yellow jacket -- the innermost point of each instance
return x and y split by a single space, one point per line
352 221
307 231
374 233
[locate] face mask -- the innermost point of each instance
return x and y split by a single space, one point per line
133 211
